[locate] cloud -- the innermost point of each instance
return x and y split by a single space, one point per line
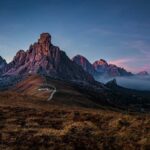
101 31
139 83
140 60
140 46
133 82
146 67
124 62
121 61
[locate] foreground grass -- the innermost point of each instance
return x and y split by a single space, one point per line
65 128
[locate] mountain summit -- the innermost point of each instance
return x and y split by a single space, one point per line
3 63
100 67
44 58
84 63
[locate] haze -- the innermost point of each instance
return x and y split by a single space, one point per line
133 82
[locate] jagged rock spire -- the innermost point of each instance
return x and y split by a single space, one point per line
45 38
43 57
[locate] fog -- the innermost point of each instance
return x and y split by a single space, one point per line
133 82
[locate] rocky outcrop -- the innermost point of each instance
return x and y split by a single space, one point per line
100 67
84 63
44 58
3 64
112 83
114 70
110 70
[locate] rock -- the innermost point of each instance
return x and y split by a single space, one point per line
101 66
45 38
110 70
112 83
84 63
44 58
3 64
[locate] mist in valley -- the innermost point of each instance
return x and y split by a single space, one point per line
133 82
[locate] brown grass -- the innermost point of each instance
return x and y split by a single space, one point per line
28 121
30 128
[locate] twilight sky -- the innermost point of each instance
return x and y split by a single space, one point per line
115 30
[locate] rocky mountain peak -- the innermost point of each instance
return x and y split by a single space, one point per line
44 58
100 66
112 83
100 62
19 54
3 63
45 38
2 60
80 58
103 61
84 63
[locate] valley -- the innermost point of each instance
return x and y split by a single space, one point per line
48 101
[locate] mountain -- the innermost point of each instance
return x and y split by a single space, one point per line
84 63
118 71
3 63
39 110
110 70
44 58
112 83
100 67
143 73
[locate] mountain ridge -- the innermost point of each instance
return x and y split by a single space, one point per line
44 58
100 67
3 63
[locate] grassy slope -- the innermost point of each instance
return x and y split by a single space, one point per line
28 121
72 128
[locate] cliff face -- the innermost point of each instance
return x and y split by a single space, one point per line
44 58
84 63
100 67
3 64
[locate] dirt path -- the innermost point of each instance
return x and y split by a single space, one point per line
53 90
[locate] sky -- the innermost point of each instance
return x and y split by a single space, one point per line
115 30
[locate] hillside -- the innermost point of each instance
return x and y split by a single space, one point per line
48 101
56 127
75 118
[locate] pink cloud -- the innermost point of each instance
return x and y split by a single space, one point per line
142 48
145 68
121 61
125 63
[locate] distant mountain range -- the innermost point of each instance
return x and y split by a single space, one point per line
44 58
100 67
77 76
143 73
